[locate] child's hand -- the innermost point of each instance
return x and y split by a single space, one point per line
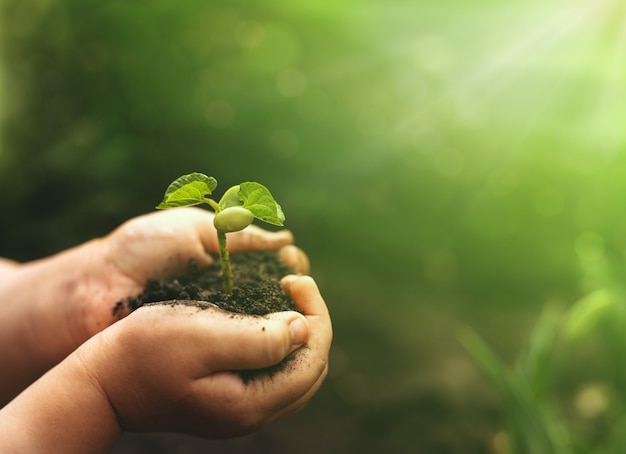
165 243
169 368
53 305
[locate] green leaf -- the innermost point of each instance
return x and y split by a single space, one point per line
231 198
258 199
537 361
586 314
532 425
187 190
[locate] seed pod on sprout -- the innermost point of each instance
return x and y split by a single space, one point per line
233 219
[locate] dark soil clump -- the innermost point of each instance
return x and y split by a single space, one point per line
256 291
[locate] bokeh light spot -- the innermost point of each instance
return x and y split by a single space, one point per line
449 163
291 82
249 34
313 105
589 246
431 53
219 114
283 143
440 267
371 122
278 49
592 401
548 202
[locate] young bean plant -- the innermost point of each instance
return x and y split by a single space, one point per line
235 211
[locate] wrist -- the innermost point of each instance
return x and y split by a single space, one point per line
64 283
84 291
45 417
42 315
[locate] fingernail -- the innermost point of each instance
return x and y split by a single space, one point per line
286 282
299 331
288 279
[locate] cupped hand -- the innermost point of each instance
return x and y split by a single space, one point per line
171 368
163 244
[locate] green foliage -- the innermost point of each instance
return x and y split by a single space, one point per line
464 172
259 201
537 417
583 318
194 189
239 205
188 190
233 219
531 423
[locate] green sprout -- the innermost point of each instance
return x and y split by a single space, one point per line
235 211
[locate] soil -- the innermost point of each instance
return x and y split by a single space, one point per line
256 291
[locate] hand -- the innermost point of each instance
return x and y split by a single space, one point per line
53 305
162 244
168 368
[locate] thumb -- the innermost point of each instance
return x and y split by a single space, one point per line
254 237
258 342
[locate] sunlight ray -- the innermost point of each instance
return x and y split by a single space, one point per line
606 122
538 43
544 44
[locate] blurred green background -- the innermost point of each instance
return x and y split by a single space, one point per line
445 165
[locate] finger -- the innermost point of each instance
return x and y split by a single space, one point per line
290 389
294 258
161 243
254 237
8 263
247 343
303 400
202 233
304 292
307 298
267 398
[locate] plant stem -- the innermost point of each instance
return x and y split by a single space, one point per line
227 273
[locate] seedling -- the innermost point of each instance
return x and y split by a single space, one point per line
235 211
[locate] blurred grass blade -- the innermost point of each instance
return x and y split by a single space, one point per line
585 314
487 360
537 361
531 425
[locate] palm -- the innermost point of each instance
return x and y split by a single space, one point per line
162 244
